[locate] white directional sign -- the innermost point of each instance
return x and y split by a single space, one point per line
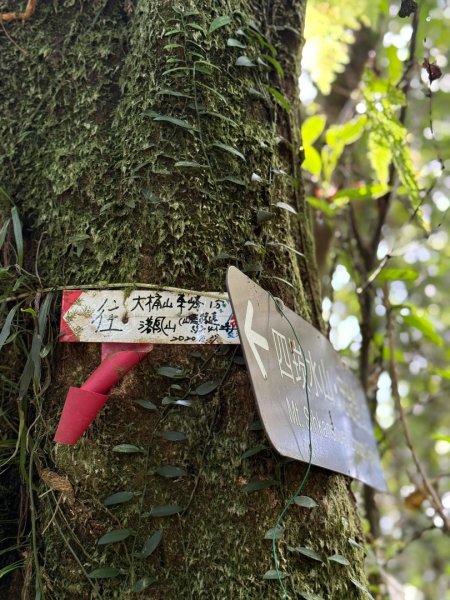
147 316
289 359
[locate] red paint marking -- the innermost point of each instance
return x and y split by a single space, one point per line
113 347
68 298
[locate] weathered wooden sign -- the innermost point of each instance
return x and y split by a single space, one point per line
147 316
286 356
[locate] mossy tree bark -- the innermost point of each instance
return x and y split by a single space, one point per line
110 192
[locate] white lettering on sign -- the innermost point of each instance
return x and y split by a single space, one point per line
299 368
144 316
255 339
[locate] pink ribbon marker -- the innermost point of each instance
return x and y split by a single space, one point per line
83 404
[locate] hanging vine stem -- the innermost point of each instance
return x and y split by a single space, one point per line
428 486
210 432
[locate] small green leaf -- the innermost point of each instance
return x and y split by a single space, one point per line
312 129
255 450
275 532
346 134
259 484
197 26
397 275
364 192
172 372
339 559
4 231
11 566
172 32
127 449
142 584
218 23
244 61
174 121
275 64
313 161
172 436
355 544
151 544
255 92
306 552
17 227
190 164
229 149
441 438
171 471
361 587
232 179
286 247
205 388
327 209
118 498
305 502
104 573
287 207
168 400
6 329
169 92
116 535
177 70
205 66
165 510
282 101
379 154
171 47
274 574
146 404
234 43
425 326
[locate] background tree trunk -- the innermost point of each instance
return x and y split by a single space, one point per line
96 181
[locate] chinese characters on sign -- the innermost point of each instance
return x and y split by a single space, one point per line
287 359
147 316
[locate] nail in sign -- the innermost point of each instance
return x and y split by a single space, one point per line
281 371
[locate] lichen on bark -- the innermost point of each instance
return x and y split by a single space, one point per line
94 171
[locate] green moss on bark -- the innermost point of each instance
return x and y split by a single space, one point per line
96 177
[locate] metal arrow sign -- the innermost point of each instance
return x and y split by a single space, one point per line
302 386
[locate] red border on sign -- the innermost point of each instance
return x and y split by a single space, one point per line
68 298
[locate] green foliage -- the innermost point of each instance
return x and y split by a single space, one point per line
337 137
305 502
151 543
118 498
116 535
329 31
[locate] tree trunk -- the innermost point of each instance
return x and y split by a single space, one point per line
93 170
